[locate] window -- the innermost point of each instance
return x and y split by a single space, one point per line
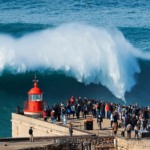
34 97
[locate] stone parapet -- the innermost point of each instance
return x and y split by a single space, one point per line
133 144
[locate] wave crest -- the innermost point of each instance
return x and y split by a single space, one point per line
89 54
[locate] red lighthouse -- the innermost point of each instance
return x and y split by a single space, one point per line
34 105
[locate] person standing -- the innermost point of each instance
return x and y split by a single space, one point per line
115 127
99 121
136 135
31 134
107 110
111 119
18 110
70 129
65 120
128 129
73 110
78 111
84 110
53 116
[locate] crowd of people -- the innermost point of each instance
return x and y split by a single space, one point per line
131 117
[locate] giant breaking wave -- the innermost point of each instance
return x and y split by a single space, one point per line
89 54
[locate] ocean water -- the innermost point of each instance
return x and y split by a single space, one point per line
88 48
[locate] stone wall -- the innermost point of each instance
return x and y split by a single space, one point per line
21 125
133 144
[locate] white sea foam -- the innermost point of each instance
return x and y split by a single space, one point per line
89 54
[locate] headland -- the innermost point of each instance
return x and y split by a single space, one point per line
80 124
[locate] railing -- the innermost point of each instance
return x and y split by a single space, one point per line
25 106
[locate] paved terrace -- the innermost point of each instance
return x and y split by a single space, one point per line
105 131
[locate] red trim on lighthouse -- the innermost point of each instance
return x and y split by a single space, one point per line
35 89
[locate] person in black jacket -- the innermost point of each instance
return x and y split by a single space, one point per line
99 121
31 134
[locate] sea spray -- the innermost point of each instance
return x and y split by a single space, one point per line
88 53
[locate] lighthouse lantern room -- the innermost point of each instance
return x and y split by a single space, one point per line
34 105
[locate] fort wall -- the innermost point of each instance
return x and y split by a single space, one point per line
21 125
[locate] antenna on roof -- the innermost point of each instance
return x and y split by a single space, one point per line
35 79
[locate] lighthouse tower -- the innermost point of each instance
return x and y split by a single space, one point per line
34 105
